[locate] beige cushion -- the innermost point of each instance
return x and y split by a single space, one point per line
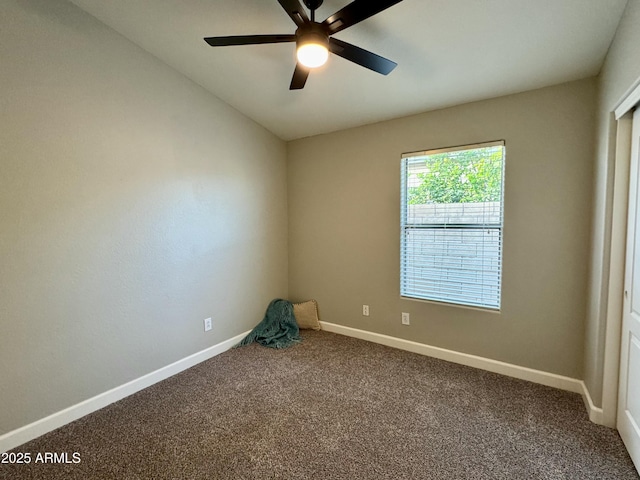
306 314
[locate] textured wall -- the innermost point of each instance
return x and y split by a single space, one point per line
620 71
344 215
133 205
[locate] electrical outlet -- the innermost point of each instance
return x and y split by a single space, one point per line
405 318
365 310
207 324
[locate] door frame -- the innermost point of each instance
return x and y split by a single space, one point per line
621 125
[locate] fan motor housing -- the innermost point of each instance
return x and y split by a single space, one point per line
312 33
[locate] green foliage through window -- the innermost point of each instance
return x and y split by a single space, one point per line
462 176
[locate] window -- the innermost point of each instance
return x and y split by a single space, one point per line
451 225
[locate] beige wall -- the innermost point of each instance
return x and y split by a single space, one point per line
344 214
133 204
620 71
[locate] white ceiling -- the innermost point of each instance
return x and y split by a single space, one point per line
448 52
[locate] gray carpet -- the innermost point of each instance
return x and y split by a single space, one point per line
335 407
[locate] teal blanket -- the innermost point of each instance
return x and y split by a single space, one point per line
278 328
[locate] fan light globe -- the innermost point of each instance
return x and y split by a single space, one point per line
312 55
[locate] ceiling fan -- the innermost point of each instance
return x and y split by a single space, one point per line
314 41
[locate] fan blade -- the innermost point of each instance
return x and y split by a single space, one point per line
295 11
300 75
361 56
355 12
248 40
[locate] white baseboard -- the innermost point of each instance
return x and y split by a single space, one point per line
596 414
536 376
26 433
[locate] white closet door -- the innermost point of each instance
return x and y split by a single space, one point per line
629 387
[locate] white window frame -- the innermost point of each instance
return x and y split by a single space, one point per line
488 290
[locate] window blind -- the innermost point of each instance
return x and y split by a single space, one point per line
451 225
